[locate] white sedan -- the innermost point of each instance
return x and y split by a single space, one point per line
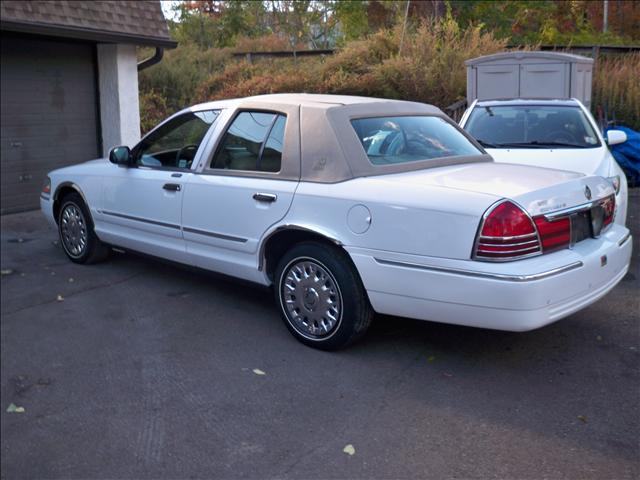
558 134
349 206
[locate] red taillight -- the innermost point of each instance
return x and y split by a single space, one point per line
609 206
507 220
507 232
554 234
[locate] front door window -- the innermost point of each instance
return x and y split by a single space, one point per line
174 144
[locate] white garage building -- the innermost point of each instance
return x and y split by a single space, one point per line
69 85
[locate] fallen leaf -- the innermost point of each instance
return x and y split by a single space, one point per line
257 371
6 271
349 450
431 359
60 298
582 418
12 408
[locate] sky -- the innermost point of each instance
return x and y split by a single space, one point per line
167 6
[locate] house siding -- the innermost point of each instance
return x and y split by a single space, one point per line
118 90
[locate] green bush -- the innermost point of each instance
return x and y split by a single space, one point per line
153 109
180 73
616 88
429 69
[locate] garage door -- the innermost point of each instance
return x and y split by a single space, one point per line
49 114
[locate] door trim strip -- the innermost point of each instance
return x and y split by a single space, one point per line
139 219
221 236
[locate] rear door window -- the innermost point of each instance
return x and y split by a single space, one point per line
253 142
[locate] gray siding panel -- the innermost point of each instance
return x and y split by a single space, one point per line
49 114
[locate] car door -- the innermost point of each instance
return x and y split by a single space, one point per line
142 203
245 187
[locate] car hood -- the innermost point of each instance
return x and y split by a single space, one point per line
97 160
81 168
590 161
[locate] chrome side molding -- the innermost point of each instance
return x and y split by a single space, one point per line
495 276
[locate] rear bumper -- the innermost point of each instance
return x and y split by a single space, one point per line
515 296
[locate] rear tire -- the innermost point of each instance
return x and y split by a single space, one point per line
321 297
77 236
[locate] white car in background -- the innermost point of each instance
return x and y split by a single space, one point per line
560 134
346 206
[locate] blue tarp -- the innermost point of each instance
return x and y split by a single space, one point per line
627 154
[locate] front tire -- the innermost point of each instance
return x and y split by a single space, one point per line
321 297
75 228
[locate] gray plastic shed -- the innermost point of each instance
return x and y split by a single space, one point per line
529 75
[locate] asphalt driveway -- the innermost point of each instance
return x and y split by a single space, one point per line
139 369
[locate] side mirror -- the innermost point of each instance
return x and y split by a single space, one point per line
120 155
616 136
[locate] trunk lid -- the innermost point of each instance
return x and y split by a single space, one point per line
538 190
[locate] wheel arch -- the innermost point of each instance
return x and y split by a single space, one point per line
276 243
63 189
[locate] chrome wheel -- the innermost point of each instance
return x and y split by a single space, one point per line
73 230
311 298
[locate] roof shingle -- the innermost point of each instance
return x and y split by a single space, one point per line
138 22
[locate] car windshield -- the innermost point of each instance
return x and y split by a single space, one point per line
391 140
531 126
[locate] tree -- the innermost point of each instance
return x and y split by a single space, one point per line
552 21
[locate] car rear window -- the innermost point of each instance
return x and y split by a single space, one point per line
392 140
531 126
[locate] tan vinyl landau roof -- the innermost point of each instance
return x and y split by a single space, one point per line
329 150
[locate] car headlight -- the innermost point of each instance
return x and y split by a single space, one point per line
615 181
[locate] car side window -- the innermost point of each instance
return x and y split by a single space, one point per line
253 142
174 144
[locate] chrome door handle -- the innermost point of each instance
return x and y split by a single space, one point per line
265 197
172 187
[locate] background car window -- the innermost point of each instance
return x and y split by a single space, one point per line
389 140
174 144
528 126
253 142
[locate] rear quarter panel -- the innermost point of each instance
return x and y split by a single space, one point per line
421 220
